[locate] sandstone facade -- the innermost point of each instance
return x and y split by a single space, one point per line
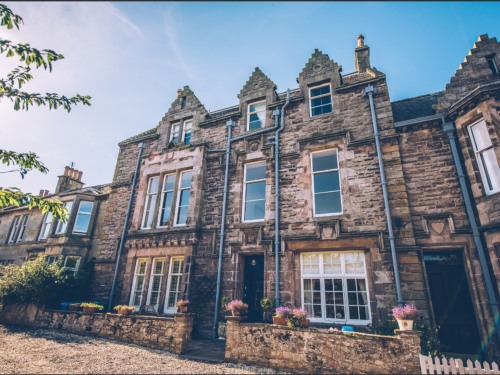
335 252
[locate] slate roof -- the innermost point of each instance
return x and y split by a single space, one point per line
95 190
419 106
138 137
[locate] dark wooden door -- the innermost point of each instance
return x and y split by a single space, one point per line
452 303
254 286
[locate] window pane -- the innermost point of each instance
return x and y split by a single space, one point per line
492 169
320 90
182 215
86 207
310 264
327 203
255 172
142 267
256 190
255 210
170 182
257 107
481 136
331 264
184 199
325 160
354 263
153 185
167 205
326 181
186 180
316 111
319 102
82 223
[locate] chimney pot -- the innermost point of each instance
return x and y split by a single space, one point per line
67 170
42 193
361 55
179 93
80 173
361 40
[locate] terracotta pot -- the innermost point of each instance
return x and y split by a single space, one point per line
237 313
304 323
405 325
183 309
89 309
279 321
124 312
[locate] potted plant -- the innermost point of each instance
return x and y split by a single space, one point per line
237 307
124 309
282 314
405 316
302 316
91 307
267 305
183 305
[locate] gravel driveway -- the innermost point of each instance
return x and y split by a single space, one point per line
43 351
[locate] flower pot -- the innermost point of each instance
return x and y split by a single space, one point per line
89 309
183 309
405 325
280 321
236 312
124 312
304 323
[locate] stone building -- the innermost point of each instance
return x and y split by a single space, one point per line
25 233
373 203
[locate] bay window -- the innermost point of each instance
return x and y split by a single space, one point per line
138 283
61 226
83 215
47 222
155 283
334 287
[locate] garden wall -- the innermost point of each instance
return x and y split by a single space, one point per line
170 334
320 351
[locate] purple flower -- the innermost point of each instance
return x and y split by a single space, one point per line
283 312
407 312
236 305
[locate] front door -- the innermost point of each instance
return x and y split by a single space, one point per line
254 286
452 304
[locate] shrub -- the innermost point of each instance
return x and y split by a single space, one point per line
122 307
266 303
36 282
224 301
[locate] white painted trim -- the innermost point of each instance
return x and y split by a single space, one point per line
14 227
328 170
178 198
146 201
134 283
320 96
248 114
166 310
243 210
88 214
44 226
479 161
150 287
163 191
344 276
61 227
190 121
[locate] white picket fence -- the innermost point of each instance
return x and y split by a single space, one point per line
430 365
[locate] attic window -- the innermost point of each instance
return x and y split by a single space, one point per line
491 63
320 100
183 102
256 116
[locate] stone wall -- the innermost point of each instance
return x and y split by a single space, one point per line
170 334
320 351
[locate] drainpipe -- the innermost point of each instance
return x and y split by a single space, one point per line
370 90
229 124
276 202
449 129
129 209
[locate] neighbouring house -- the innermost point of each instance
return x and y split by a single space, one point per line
377 202
25 234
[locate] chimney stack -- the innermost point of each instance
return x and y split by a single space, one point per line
361 55
70 180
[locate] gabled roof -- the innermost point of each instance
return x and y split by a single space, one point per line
144 135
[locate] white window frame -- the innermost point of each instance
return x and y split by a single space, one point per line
324 171
163 193
134 282
178 198
14 229
320 96
261 111
160 284
51 259
482 169
172 310
22 228
147 201
75 268
263 162
45 230
344 276
187 126
178 131
62 227
89 214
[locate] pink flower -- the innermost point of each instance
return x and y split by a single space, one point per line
407 312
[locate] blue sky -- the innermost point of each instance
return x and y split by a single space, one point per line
132 57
